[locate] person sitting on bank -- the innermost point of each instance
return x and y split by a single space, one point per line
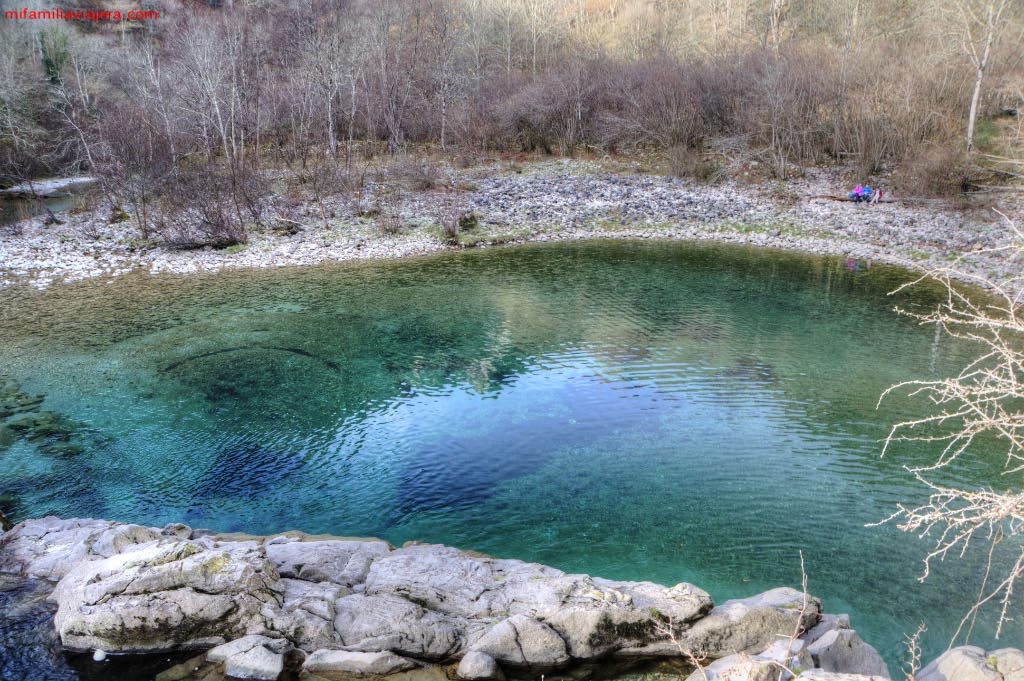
861 193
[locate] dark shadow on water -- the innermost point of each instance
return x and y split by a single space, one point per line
244 467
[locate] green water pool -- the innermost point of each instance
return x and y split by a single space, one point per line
658 411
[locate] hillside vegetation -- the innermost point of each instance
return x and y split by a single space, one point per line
217 101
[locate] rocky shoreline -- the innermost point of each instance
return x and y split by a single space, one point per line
545 201
295 606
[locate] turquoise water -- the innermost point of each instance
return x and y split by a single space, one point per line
631 410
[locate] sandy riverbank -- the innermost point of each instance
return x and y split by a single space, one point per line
546 201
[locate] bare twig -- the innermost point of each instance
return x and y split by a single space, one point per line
985 400
913 663
696 658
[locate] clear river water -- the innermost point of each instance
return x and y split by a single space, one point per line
648 411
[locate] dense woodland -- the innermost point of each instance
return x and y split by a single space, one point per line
214 99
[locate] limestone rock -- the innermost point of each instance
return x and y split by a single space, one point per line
822 675
343 562
738 668
240 645
751 624
49 547
769 665
324 662
1009 662
826 624
438 577
790 653
627 618
365 608
843 650
164 596
477 666
374 623
522 641
255 663
306 614
966 663
251 657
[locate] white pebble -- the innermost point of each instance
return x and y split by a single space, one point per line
99 655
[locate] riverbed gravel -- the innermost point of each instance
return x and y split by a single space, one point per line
555 200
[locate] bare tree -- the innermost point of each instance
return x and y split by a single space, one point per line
981 25
982 402
776 17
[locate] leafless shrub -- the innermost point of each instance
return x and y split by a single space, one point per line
691 163
388 209
657 103
937 171
417 174
982 402
209 207
553 114
454 217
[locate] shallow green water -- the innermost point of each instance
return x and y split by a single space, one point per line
634 411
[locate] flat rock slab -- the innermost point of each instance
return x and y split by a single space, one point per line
340 662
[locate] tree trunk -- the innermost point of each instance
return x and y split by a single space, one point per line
979 74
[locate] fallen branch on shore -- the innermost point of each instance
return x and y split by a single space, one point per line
884 199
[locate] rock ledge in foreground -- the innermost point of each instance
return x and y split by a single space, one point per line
350 608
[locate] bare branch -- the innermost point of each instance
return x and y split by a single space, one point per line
985 400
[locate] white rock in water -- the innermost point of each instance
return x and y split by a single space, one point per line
99 656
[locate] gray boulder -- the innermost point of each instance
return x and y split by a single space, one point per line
477 666
593 616
739 668
439 578
1009 662
339 663
749 625
772 664
826 624
521 641
374 623
342 562
306 613
629 619
791 654
822 675
843 650
966 663
49 547
251 657
160 596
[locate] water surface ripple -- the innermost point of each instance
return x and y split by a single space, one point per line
636 411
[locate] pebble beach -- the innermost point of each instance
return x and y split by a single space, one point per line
557 200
